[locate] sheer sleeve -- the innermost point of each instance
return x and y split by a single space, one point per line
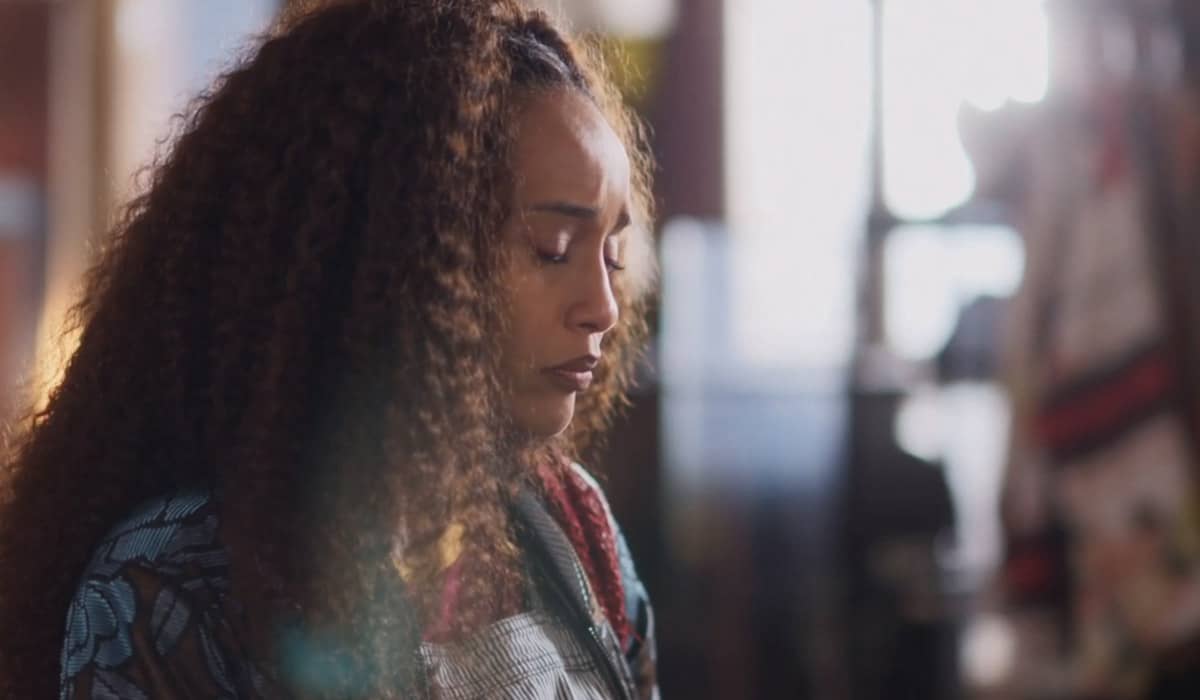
150 618
138 635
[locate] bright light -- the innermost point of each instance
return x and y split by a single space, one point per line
965 426
1008 55
930 272
988 651
636 18
938 54
797 120
139 25
921 425
627 19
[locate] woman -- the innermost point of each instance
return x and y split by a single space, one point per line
334 368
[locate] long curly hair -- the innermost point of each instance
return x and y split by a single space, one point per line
300 312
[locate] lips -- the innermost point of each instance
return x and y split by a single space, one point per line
574 375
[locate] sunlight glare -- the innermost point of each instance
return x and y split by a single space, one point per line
938 55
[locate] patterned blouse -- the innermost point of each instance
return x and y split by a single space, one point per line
153 618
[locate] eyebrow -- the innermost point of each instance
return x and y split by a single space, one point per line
578 211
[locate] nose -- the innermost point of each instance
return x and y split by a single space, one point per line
595 307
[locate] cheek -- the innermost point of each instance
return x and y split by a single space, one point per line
532 332
529 319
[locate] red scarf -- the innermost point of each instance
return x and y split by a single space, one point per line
584 518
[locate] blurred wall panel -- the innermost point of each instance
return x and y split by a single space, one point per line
75 207
687 114
757 332
24 28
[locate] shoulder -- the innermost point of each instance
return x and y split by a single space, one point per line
155 575
175 535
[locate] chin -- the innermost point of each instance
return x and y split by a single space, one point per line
547 419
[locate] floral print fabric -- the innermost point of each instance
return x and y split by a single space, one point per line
150 617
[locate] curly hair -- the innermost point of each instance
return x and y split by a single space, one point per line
300 312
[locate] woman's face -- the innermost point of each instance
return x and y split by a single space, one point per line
564 245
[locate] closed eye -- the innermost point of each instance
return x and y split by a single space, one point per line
552 258
561 259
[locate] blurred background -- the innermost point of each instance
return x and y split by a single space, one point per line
921 417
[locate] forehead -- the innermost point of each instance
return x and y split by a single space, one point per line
566 148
